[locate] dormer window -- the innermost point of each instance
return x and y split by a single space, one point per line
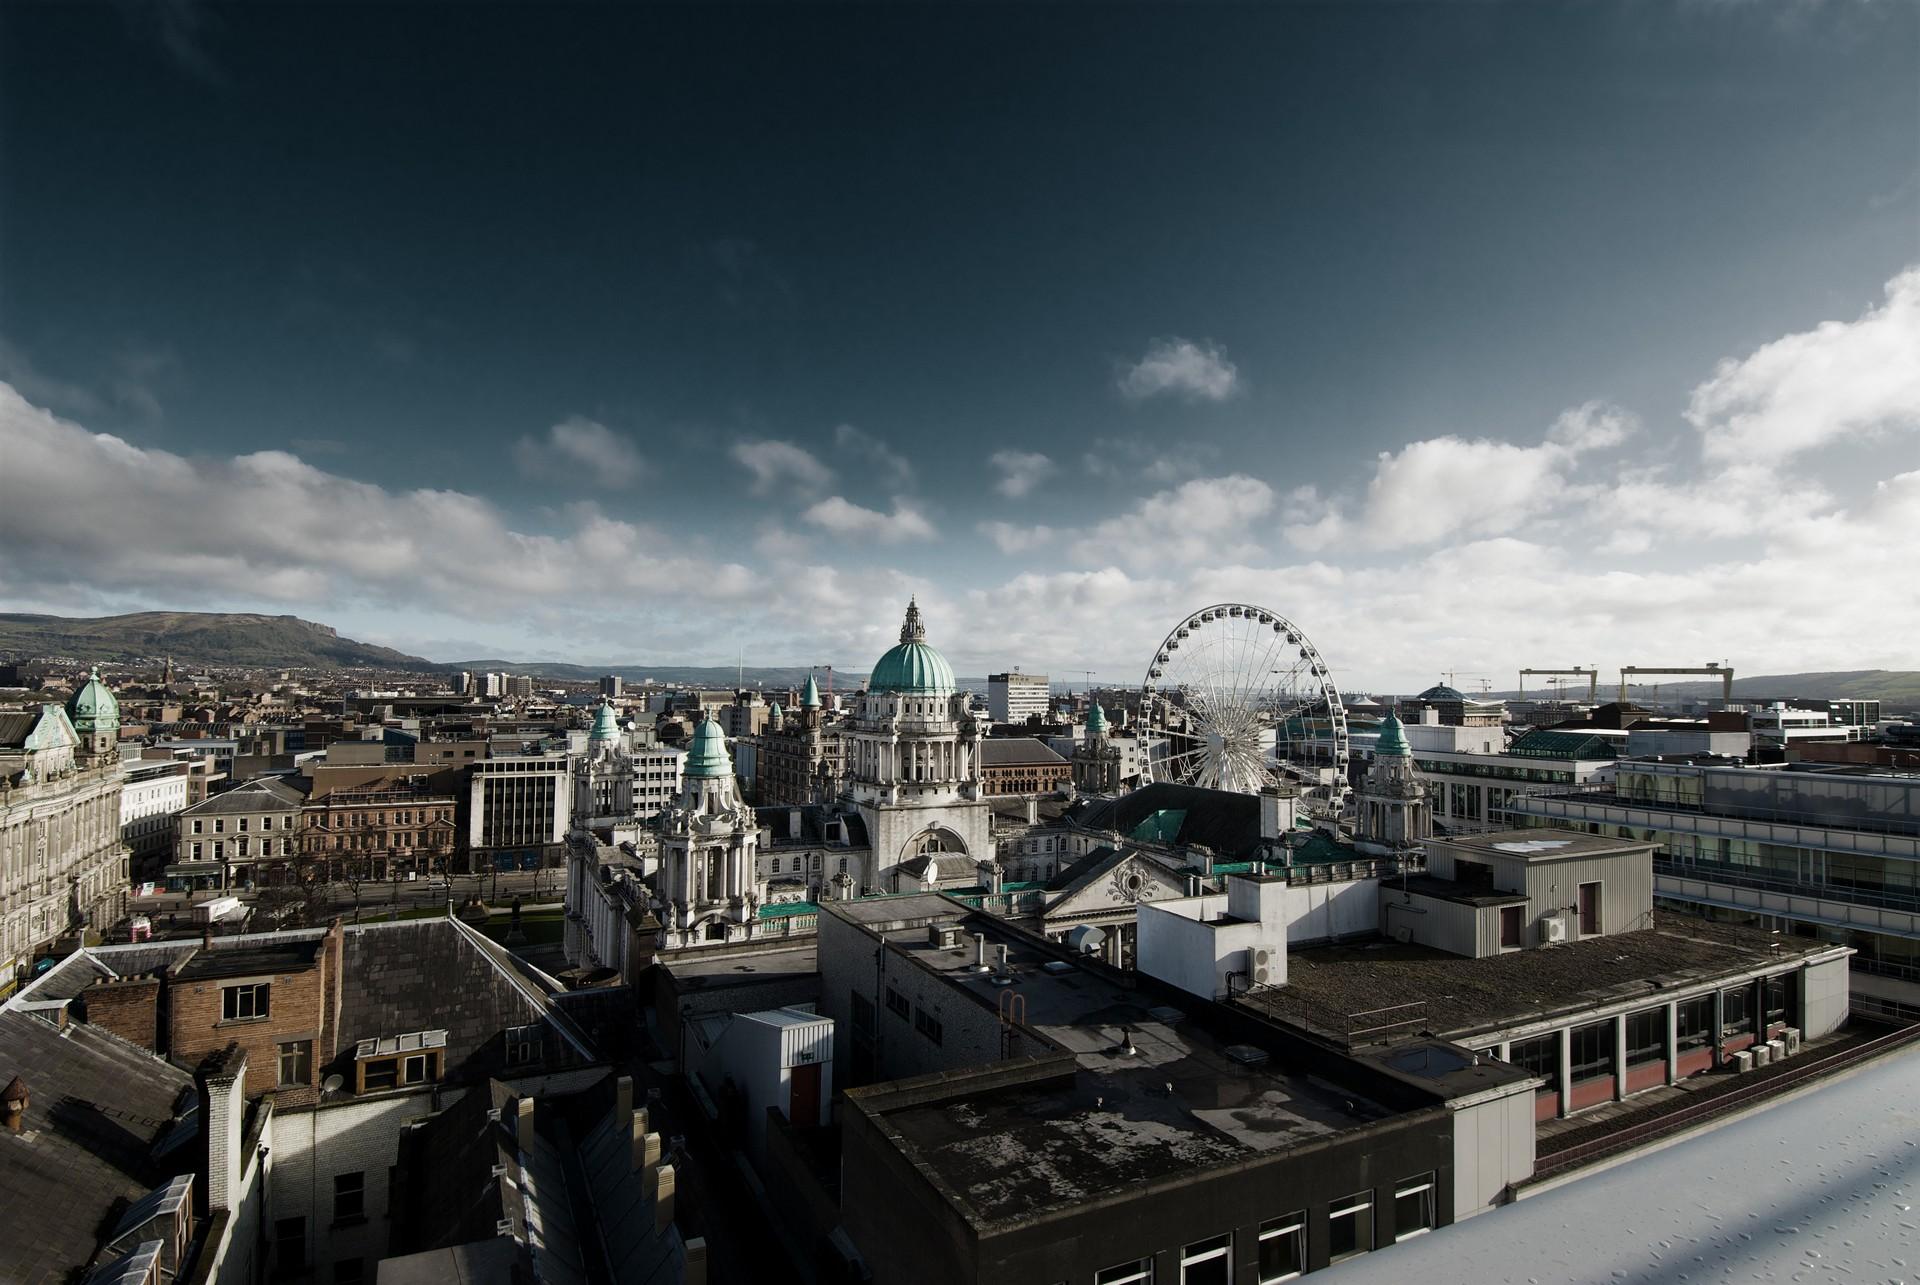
399 1061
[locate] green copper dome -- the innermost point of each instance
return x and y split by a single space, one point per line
1097 720
913 668
604 726
1393 738
93 708
707 753
810 695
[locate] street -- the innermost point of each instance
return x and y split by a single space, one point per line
377 896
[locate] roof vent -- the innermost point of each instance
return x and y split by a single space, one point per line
1057 966
1246 1054
499 1171
504 1227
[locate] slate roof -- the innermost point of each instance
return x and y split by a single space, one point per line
1018 751
97 1106
449 1192
433 974
266 794
1225 822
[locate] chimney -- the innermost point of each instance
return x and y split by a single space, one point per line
523 1124
206 937
623 1097
637 1138
980 959
696 1273
663 1198
220 1083
13 1104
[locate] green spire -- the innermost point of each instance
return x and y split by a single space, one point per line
1096 720
1393 738
707 753
93 708
604 726
810 695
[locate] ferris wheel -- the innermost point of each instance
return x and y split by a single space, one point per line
1237 698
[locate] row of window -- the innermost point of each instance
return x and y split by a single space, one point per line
1281 1253
220 824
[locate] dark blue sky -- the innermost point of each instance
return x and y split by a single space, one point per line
397 241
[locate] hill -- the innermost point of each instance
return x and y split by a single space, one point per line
198 638
715 677
1895 687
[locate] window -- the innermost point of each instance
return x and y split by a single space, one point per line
1538 1056
1593 1052
1737 1017
1695 1019
1779 999
1283 1248
1647 1037
296 1063
1413 1206
290 1243
523 1045
243 1003
197 830
266 823
927 1024
218 825
243 825
1208 1262
380 1074
897 1003
1350 1226
1137 1272
196 851
349 1196
414 1069
1510 925
776 865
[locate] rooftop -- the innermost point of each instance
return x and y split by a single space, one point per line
1462 996
253 958
1149 1090
1538 844
1018 751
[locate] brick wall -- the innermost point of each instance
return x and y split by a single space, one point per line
127 1006
301 1005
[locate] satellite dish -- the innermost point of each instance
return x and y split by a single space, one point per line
332 1084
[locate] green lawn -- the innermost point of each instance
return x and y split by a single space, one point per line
540 926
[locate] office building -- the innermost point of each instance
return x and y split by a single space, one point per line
1015 697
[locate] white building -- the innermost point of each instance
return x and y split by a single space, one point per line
520 807
913 770
1015 697
152 793
710 887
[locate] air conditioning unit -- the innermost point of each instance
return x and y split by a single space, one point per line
1761 1054
1743 1061
1792 1037
1777 1050
1553 929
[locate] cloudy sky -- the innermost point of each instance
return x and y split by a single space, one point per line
1468 336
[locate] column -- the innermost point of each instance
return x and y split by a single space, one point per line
1719 1024
1620 1058
1566 1068
1673 1043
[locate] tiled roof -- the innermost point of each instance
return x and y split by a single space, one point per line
1018 751
1227 823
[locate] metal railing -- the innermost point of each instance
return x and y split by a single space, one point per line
1798 1071
1726 810
1739 876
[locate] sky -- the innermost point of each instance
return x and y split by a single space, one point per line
1465 336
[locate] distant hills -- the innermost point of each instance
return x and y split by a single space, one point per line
1893 686
198 638
708 676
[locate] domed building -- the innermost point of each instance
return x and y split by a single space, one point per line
1393 812
1096 759
710 889
94 712
913 770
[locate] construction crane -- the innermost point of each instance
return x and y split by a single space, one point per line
1723 671
1592 673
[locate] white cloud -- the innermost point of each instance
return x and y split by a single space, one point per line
1209 519
1841 379
890 468
1181 366
582 452
844 518
1020 471
774 463
90 509
1450 487
1010 538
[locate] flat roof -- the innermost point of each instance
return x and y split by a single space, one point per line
246 961
1541 844
1155 1093
699 973
1328 984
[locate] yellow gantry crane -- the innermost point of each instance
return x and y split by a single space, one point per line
1723 671
1592 673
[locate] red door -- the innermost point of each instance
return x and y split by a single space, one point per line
803 1107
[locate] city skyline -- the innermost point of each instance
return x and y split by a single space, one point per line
641 338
